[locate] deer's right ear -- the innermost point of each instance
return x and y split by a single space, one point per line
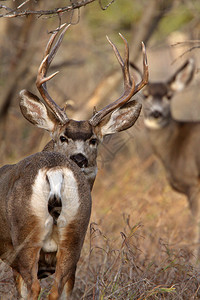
182 76
35 111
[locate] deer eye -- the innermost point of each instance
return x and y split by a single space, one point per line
145 94
63 139
93 142
169 96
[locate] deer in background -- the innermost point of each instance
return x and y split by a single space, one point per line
45 202
176 143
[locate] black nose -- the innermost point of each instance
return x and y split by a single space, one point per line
80 160
156 114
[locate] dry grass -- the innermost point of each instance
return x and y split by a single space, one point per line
120 273
142 246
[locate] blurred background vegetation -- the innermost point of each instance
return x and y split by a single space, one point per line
89 74
131 194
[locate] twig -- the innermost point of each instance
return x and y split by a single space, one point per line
185 52
105 7
185 43
5 7
46 12
22 4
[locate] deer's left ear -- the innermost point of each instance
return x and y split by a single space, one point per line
121 119
183 76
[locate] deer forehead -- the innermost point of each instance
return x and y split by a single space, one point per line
78 130
156 90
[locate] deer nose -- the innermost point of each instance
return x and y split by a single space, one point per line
156 114
80 160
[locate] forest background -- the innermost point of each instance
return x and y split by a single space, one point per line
139 243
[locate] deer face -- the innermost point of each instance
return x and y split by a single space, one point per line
79 142
157 104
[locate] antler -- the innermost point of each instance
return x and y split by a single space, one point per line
129 84
42 71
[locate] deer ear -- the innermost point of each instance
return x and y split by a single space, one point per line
183 76
35 111
121 119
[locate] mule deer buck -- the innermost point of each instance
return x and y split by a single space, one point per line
175 142
46 198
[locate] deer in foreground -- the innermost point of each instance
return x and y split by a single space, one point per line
45 199
175 142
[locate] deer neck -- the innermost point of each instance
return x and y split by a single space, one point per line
164 140
49 147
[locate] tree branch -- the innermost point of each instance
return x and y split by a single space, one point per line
16 13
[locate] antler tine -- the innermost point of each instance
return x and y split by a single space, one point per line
129 83
42 71
145 76
124 64
59 41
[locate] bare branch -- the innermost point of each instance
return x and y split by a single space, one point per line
5 7
185 43
105 7
184 53
22 4
55 11
194 44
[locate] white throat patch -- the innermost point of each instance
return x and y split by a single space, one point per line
152 124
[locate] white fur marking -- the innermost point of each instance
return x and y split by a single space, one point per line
62 182
80 147
152 124
50 245
178 85
109 127
62 222
39 201
49 222
55 178
40 196
24 291
70 199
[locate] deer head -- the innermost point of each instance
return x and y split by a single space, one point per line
157 95
79 140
